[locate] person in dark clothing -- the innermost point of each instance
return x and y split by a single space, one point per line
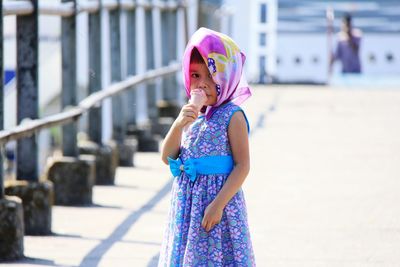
348 47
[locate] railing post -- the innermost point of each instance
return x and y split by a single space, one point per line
117 104
95 118
27 91
11 226
126 146
176 91
169 51
106 157
72 177
69 81
1 97
181 40
141 94
150 64
36 195
131 64
171 90
157 47
144 92
160 125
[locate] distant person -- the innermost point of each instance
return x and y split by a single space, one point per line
207 149
348 47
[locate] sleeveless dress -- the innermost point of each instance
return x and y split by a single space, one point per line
185 242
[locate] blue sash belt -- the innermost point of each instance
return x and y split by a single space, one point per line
203 165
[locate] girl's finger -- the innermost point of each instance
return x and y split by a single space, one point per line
207 228
203 223
189 114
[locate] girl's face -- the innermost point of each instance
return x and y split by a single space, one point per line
201 78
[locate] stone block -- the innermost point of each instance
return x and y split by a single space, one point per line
168 109
11 229
149 144
106 160
147 141
73 181
91 160
126 151
162 126
37 200
112 145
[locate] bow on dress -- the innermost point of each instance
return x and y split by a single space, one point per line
177 167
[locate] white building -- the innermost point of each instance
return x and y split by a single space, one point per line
254 28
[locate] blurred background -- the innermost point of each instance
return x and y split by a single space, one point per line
290 41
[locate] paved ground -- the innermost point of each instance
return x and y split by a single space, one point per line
323 189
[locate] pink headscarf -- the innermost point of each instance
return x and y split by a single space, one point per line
225 63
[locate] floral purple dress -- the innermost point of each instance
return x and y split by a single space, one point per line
186 243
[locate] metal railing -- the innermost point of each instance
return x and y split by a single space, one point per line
68 9
29 127
140 14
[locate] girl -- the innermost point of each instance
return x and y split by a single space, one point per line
208 154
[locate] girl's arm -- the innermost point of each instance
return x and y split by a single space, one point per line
170 146
238 139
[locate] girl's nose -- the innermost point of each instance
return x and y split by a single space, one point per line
202 84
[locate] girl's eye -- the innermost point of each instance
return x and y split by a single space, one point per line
195 75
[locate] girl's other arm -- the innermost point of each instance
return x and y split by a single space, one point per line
172 141
238 139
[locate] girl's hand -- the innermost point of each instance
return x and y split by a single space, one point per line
188 114
212 216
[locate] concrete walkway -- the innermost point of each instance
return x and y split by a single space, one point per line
324 189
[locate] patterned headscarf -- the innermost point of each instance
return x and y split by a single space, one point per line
225 63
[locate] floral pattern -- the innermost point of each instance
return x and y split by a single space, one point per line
211 65
185 242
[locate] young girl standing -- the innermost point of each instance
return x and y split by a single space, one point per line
208 152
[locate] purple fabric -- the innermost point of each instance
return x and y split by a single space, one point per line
185 241
348 55
225 62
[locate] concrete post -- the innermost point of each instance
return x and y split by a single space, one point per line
27 91
142 129
169 51
73 178
117 105
157 48
106 156
36 195
11 211
125 147
1 97
95 118
11 228
150 64
181 40
128 68
69 81
160 125
131 65
173 39
141 46
169 107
